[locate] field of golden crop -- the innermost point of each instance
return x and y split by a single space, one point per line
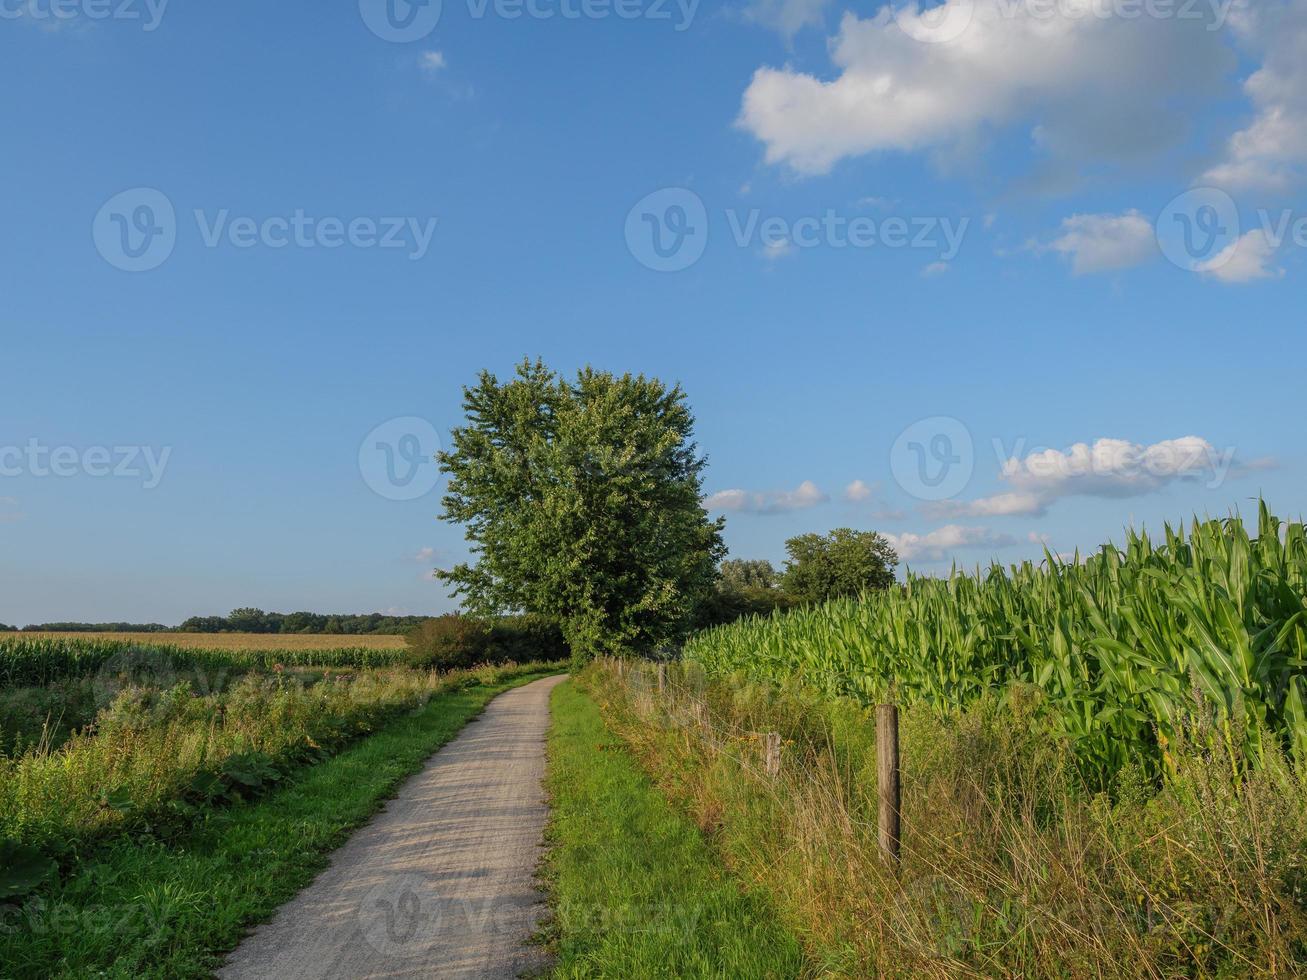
240 641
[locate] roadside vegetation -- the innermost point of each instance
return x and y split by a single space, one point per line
1012 866
33 659
636 891
167 900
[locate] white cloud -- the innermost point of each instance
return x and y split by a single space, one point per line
1244 260
431 61
935 269
857 492
876 203
425 555
1103 242
1087 88
1108 468
934 545
1269 151
779 249
806 495
999 505
786 17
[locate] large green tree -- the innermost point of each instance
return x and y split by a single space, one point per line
581 500
843 563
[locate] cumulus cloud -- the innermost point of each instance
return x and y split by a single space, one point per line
858 491
1088 89
863 494
1269 152
935 269
1246 259
934 545
1104 242
806 495
1107 468
431 61
425 555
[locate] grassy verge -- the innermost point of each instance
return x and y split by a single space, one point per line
636 891
141 907
1012 865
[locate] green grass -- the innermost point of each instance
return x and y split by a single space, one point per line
140 907
636 891
1011 865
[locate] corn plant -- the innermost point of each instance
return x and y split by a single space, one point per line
1132 647
35 661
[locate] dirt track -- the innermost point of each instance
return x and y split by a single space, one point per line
440 883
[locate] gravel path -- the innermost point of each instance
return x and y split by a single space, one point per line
441 882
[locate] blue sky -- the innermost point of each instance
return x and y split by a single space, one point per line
896 236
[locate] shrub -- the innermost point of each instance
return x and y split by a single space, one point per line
449 642
527 637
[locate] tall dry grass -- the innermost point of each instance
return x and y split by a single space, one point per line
153 747
1011 866
236 641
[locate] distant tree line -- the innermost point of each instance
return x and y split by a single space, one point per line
819 567
247 621
258 621
88 628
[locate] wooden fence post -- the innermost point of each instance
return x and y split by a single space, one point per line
773 754
662 678
887 780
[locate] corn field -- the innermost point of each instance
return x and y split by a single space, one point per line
32 662
1133 648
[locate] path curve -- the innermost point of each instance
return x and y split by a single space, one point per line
441 882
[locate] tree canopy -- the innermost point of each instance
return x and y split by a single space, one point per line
843 563
581 501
